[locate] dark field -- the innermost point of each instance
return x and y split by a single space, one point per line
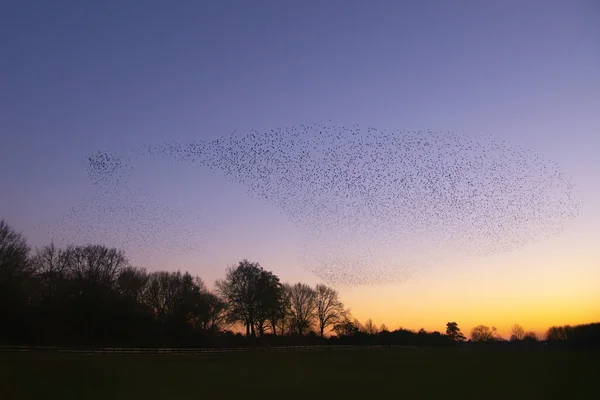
402 373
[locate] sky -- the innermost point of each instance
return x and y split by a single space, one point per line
81 77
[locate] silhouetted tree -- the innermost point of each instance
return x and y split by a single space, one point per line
212 316
91 295
238 291
303 308
95 264
55 292
579 335
14 251
182 306
359 326
155 293
132 323
370 327
15 285
454 333
281 317
584 335
558 333
50 265
329 309
251 294
269 301
517 333
131 283
92 272
482 333
345 327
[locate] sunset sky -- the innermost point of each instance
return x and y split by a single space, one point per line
81 77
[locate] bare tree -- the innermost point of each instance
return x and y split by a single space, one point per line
14 251
251 293
370 327
330 309
212 314
280 319
15 283
359 327
345 327
482 333
558 333
517 332
182 302
269 298
154 293
303 308
95 264
238 289
131 283
51 268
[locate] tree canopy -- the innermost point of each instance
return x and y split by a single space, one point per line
92 295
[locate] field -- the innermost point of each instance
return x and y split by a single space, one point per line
401 373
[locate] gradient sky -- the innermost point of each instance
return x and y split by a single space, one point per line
77 77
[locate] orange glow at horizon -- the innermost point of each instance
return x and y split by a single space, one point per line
542 286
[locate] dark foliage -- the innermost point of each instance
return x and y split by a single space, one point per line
577 336
91 296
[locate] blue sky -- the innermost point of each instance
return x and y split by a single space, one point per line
81 77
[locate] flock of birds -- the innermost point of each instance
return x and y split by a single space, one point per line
132 219
375 204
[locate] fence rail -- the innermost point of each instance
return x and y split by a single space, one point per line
186 351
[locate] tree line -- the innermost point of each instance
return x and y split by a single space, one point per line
92 296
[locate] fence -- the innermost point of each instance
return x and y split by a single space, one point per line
186 351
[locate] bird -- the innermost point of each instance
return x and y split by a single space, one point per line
376 206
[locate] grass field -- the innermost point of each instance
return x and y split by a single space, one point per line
403 373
